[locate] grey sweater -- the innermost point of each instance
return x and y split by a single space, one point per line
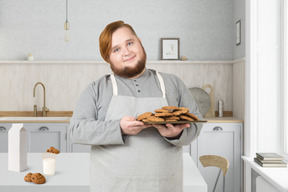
88 125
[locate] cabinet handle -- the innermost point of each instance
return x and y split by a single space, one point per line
217 128
3 129
43 129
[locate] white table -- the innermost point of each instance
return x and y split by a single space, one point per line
72 174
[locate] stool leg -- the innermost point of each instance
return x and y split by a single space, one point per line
223 184
217 180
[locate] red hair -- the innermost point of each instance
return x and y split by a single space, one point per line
105 38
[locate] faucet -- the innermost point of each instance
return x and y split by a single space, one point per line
44 108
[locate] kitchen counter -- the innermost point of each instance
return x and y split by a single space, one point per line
67 120
64 117
35 119
72 174
223 120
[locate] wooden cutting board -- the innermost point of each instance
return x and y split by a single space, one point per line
202 99
211 111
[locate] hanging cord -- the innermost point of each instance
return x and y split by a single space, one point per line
66 24
67 11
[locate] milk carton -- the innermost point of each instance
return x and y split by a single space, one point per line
17 148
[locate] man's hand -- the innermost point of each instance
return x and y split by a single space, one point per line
171 131
129 126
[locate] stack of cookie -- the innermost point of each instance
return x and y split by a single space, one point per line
168 113
36 178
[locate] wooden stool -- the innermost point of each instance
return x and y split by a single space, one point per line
216 161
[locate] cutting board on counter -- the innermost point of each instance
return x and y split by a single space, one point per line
204 100
211 111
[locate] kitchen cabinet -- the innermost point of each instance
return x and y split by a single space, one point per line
223 139
40 136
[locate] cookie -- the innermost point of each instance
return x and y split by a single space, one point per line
192 116
144 116
155 119
177 113
145 120
163 114
173 118
184 109
170 108
162 111
184 117
38 178
53 150
27 177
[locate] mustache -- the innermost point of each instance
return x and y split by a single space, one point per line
130 72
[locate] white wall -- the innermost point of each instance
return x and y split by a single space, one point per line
206 30
239 89
205 27
239 14
65 81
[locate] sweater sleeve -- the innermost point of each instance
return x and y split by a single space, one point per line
87 128
181 96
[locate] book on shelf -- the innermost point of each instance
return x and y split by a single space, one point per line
269 156
279 163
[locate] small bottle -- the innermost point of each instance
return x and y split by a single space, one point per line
30 57
220 107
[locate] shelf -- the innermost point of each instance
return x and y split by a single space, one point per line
103 62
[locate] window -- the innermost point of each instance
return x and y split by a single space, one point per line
284 78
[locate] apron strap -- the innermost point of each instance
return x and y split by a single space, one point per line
162 85
114 84
161 81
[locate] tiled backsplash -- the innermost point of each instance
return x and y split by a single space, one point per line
64 81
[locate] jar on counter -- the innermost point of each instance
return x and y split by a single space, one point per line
220 107
30 57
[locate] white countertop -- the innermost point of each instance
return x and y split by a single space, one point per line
72 173
67 120
223 120
277 176
35 119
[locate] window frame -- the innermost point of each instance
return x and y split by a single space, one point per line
284 79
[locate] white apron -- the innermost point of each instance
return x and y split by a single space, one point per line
146 162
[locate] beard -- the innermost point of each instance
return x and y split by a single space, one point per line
130 72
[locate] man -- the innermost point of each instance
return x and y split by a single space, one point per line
126 155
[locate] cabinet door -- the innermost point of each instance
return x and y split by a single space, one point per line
4 128
41 136
223 140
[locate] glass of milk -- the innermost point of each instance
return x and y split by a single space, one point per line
49 163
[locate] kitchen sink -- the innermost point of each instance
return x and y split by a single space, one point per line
34 118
